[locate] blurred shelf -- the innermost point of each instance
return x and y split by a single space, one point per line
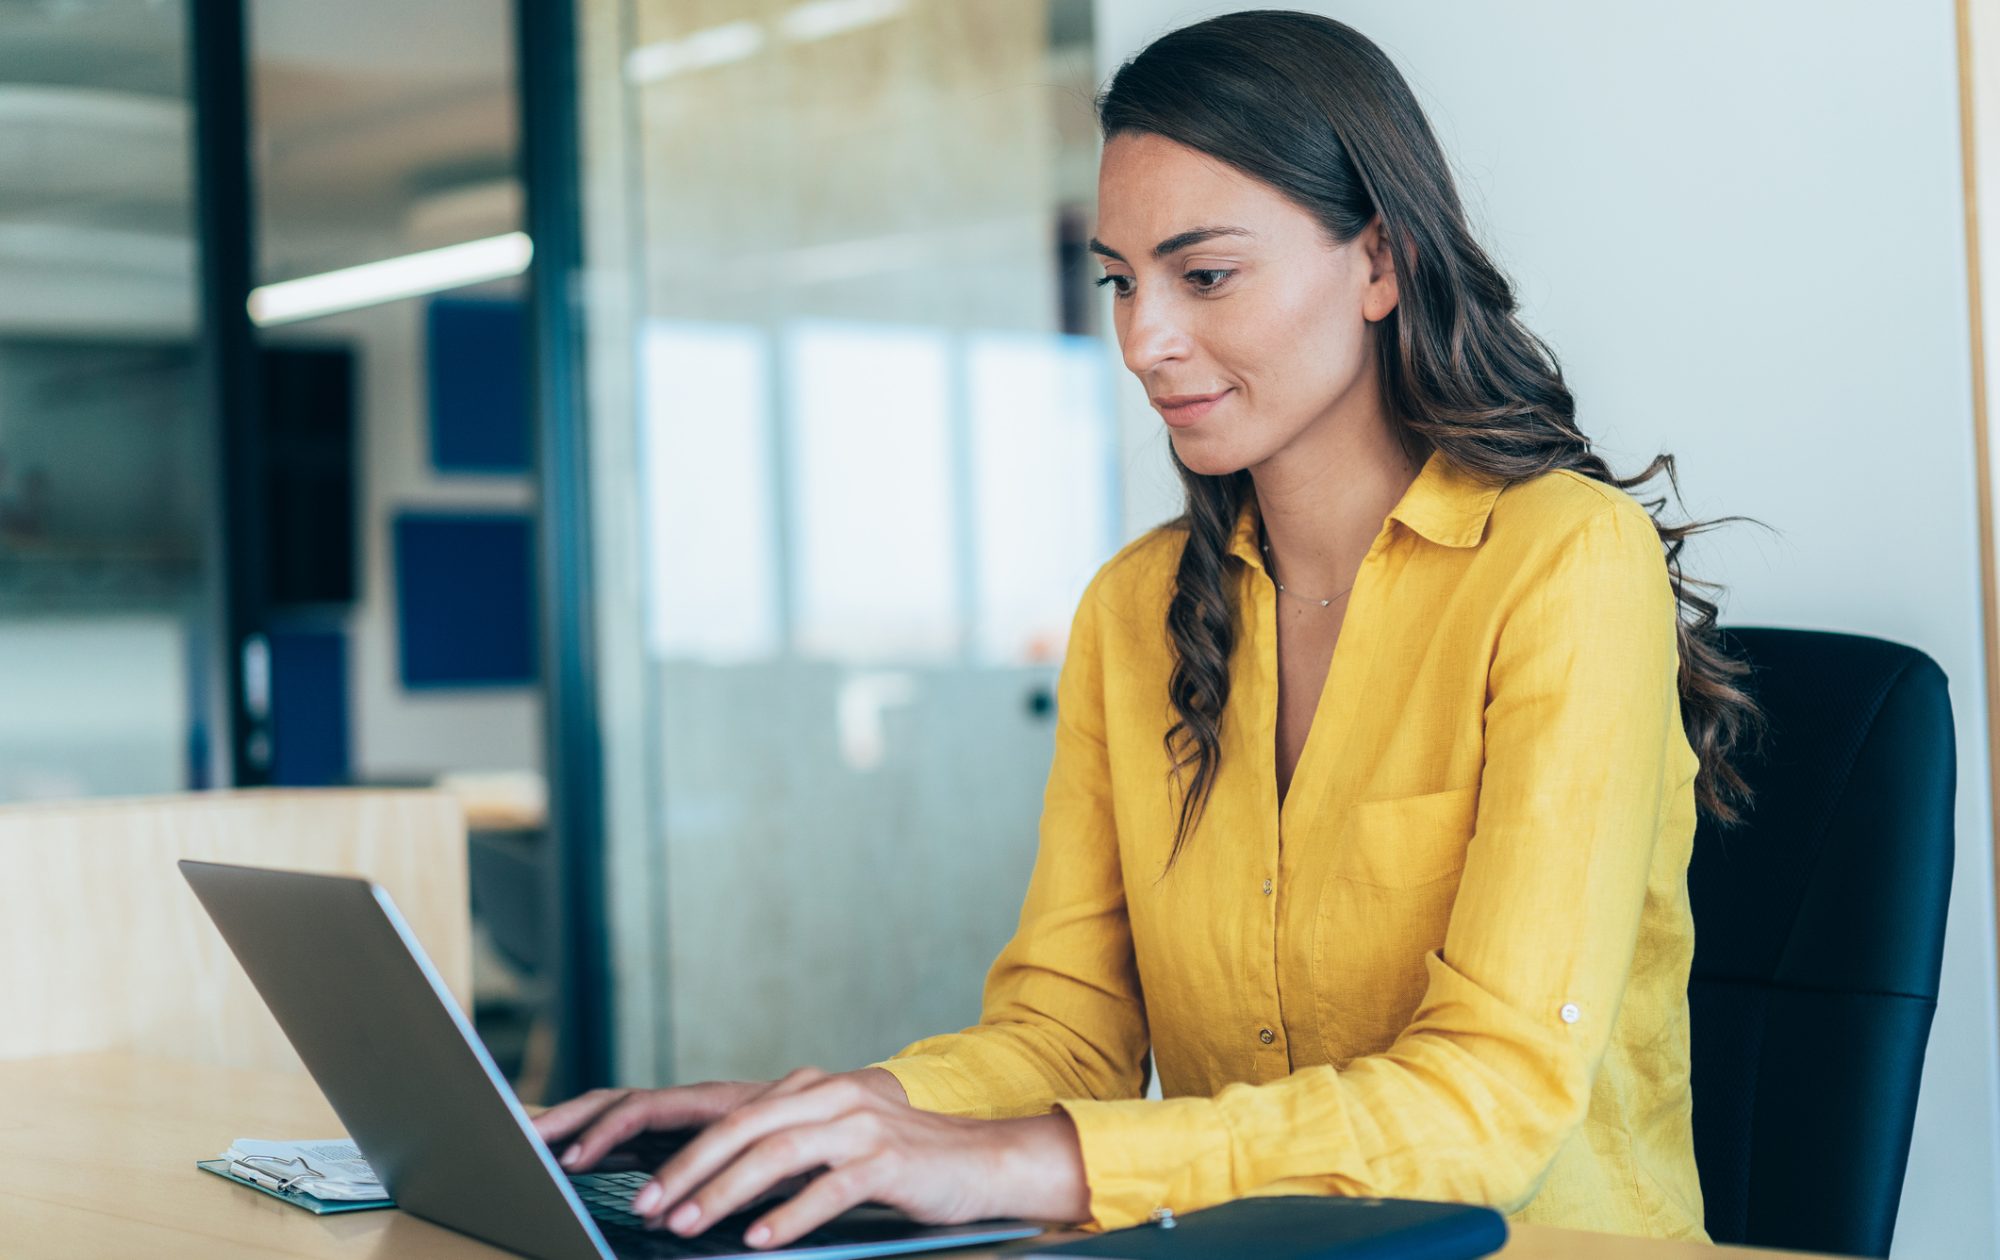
500 800
75 576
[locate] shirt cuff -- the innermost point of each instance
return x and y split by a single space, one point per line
1140 1154
934 1086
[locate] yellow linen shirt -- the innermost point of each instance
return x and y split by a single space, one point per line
1452 966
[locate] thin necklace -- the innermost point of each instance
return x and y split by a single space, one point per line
1272 568
1323 603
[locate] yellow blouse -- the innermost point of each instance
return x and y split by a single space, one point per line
1454 964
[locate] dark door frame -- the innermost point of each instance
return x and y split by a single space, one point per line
225 206
545 42
225 223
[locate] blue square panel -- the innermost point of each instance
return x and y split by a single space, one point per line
478 385
465 599
309 737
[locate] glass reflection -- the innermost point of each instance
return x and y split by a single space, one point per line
913 455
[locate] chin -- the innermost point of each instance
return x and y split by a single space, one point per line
1207 458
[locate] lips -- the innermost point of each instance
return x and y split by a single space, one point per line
1180 410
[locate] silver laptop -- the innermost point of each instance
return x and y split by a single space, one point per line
420 1096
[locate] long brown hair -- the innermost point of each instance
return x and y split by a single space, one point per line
1312 107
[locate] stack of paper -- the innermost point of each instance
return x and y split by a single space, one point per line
330 1168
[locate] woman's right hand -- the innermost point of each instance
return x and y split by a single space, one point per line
604 1119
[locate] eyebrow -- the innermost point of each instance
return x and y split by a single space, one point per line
1176 243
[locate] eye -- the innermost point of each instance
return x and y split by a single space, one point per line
1206 280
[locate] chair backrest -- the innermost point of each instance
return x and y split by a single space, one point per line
103 946
1819 930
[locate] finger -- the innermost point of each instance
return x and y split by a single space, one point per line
791 1083
773 1159
827 1196
565 1118
640 1111
681 1107
792 1102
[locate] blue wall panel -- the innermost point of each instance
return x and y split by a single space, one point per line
465 609
478 385
309 740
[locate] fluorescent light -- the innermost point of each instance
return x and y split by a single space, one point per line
735 41
412 275
732 41
818 19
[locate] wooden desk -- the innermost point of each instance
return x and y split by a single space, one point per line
97 1159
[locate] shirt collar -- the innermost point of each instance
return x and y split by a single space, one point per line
1445 504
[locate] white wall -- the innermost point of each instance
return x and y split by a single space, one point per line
1740 226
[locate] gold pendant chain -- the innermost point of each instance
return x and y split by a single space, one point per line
1323 603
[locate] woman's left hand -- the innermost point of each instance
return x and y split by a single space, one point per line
941 1170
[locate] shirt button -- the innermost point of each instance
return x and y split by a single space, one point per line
1267 888
1569 1013
1266 1036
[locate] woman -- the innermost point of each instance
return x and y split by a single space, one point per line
1376 773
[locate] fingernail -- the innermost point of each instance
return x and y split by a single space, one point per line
758 1235
684 1215
647 1200
570 1156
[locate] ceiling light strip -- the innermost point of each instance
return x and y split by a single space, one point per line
370 284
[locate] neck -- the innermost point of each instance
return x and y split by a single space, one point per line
1323 499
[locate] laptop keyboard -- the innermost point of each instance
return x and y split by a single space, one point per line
608 1199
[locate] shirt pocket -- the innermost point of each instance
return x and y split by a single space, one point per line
1392 877
1405 841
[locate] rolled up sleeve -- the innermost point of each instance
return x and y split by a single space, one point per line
1475 1098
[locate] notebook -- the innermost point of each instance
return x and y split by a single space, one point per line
297 1198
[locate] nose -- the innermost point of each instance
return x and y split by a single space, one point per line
1151 334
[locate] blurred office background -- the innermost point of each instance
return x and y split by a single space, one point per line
683 427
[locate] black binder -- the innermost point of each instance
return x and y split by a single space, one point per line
1304 1227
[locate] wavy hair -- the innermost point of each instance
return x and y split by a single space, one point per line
1312 107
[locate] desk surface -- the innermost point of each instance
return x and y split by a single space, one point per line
97 1158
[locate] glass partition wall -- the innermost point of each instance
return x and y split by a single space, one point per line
854 460
401 609
106 629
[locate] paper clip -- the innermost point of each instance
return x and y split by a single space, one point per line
242 1166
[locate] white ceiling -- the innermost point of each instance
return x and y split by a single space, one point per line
380 126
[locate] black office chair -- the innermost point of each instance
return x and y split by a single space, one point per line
1819 928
